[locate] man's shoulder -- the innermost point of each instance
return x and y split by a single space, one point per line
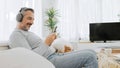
17 32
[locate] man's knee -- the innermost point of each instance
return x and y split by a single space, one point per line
91 55
91 61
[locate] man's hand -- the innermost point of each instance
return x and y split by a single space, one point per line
50 39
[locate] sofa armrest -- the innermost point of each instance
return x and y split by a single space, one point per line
23 58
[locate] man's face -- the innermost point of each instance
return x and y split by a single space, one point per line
27 21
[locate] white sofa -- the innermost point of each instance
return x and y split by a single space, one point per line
21 58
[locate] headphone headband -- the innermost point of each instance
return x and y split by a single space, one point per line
20 15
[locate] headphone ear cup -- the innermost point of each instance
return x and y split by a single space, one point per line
19 17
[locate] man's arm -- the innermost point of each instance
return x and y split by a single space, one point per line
18 40
50 39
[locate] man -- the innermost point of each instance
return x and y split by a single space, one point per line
21 37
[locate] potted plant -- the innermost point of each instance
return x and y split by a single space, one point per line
51 20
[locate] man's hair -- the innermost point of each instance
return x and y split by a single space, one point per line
20 15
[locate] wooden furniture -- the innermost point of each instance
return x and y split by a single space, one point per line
116 50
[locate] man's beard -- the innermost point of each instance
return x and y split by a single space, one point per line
25 29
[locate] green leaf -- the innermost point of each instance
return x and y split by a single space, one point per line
52 18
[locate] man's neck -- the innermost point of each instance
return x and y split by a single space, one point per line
19 26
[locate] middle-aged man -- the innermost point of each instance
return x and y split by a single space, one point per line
21 37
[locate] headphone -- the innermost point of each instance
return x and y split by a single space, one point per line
20 15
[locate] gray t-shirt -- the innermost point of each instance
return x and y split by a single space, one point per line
29 40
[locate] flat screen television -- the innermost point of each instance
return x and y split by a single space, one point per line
108 31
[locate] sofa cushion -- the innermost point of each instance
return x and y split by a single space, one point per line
23 58
4 45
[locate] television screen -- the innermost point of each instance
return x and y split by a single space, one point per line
104 31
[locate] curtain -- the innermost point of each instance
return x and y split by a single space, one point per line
68 20
76 15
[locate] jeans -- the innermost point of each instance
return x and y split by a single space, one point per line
76 59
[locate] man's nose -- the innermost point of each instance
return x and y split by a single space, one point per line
31 22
